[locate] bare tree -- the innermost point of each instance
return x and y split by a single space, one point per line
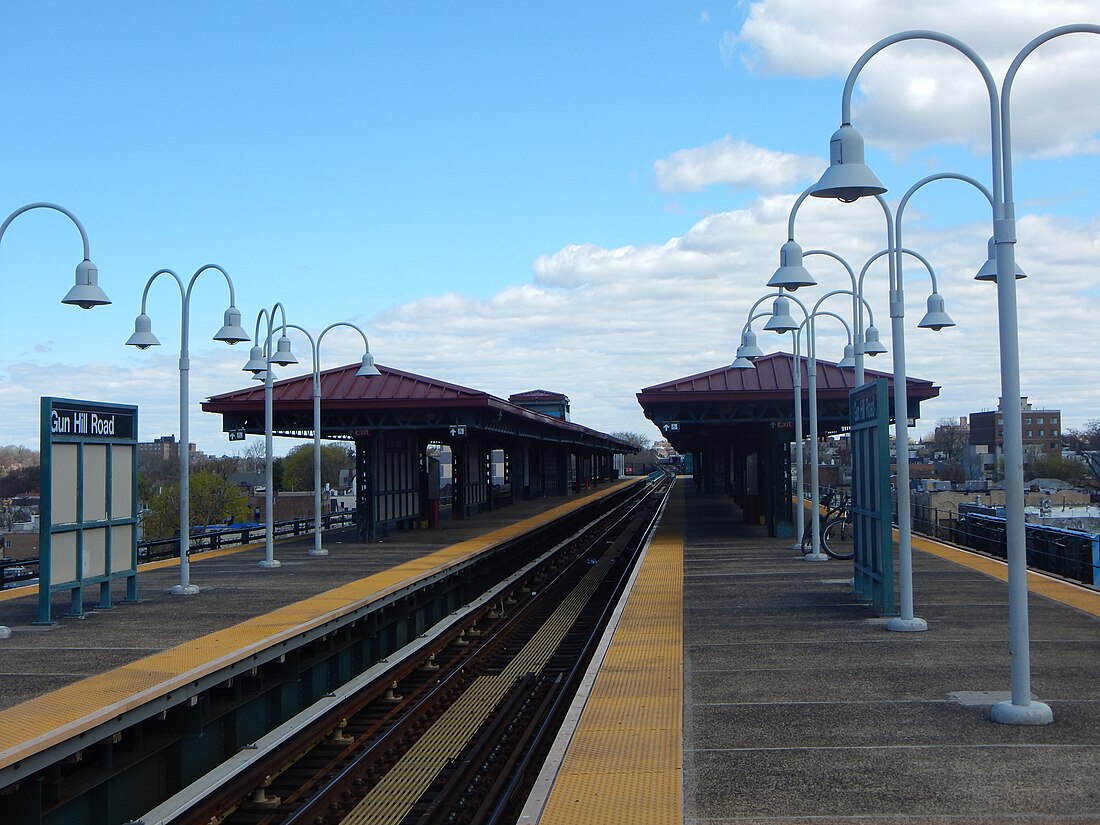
1085 444
637 440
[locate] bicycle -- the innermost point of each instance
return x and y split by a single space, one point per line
837 532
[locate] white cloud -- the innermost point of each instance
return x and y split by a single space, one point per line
735 163
916 93
600 324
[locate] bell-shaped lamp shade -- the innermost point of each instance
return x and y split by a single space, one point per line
256 362
781 320
791 273
261 376
849 359
748 348
871 344
848 178
988 272
143 337
742 363
283 356
232 332
368 369
86 292
935 318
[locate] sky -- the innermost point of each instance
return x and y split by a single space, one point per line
582 198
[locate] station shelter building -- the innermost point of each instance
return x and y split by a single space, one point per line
738 425
393 418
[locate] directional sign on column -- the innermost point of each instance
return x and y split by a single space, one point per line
458 430
670 427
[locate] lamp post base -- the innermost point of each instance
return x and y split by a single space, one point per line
271 563
912 625
184 590
815 557
318 551
1033 713
5 632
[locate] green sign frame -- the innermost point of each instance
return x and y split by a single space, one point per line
869 419
89 510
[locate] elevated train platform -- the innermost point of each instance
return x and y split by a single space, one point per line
739 683
799 707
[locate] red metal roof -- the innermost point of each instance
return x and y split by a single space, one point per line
341 384
772 377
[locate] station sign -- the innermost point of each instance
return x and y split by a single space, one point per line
670 427
457 431
87 534
236 435
68 418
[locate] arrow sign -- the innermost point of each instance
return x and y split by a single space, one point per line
457 430
671 427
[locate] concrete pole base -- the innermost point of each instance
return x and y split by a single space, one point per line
318 551
5 632
184 590
1034 713
270 564
913 625
816 557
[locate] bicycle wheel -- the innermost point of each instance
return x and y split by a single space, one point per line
837 539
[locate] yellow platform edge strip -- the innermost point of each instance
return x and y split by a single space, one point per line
44 721
624 764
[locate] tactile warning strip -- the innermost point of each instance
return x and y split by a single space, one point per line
37 724
625 760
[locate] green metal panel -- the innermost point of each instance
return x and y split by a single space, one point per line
871 511
77 545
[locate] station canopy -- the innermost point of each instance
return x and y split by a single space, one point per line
354 406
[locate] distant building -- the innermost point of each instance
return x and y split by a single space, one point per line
165 448
1042 431
549 403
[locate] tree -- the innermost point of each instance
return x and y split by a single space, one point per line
298 465
213 500
950 438
19 481
637 440
1085 444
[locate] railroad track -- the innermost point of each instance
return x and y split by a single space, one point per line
455 734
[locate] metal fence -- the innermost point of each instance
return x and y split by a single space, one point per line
1072 554
15 572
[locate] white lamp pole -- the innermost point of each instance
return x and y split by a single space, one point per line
848 179
366 370
260 363
85 292
781 321
143 338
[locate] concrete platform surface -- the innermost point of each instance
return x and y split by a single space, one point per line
801 708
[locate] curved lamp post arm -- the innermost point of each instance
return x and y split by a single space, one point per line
55 207
1006 90
958 45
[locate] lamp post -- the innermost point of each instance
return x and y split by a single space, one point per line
848 178
85 293
782 321
259 362
367 370
143 338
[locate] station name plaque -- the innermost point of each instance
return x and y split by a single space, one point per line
89 513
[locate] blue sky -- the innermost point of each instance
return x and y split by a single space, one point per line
518 196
